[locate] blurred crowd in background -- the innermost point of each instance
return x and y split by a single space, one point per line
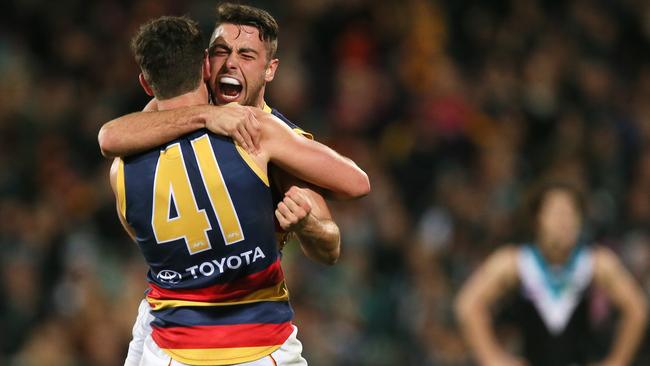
454 108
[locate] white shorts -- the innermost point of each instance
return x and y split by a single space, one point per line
143 351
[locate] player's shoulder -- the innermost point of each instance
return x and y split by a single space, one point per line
499 271
153 153
506 254
608 269
281 116
604 259
297 129
504 262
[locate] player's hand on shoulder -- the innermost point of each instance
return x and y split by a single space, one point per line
265 119
294 210
238 122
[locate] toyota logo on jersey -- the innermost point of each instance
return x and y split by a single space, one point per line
169 276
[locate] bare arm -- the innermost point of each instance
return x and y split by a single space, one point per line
305 212
310 160
492 279
621 288
113 178
138 132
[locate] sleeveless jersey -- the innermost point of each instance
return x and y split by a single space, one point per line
552 308
203 215
284 119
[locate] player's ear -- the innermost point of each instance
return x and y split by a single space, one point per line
206 66
145 85
270 70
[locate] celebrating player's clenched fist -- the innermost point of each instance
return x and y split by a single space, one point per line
294 209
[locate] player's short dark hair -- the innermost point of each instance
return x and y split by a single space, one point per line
255 17
169 51
527 216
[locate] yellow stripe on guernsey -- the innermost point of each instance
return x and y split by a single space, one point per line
227 356
218 192
253 165
278 292
121 188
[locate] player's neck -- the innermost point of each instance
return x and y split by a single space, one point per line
259 103
196 97
553 257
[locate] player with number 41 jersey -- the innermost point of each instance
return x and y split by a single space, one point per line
203 216
201 210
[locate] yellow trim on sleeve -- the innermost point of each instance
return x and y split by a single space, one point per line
121 188
253 165
300 131
226 356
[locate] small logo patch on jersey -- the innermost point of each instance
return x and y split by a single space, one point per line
169 276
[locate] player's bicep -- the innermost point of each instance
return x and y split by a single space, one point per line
114 180
613 278
115 167
129 230
306 159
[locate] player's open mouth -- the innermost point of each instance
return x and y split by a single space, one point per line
229 89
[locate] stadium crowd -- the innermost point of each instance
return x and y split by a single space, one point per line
453 108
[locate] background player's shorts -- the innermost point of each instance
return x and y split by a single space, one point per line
143 351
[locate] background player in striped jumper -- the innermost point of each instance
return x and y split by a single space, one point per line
554 277
201 210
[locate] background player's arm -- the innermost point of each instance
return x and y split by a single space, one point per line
310 160
113 178
305 212
622 290
488 283
140 131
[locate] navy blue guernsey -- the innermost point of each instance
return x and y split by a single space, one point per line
203 215
250 199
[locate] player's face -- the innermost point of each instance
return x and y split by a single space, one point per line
559 223
239 65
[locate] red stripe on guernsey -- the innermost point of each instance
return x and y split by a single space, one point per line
222 336
241 287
